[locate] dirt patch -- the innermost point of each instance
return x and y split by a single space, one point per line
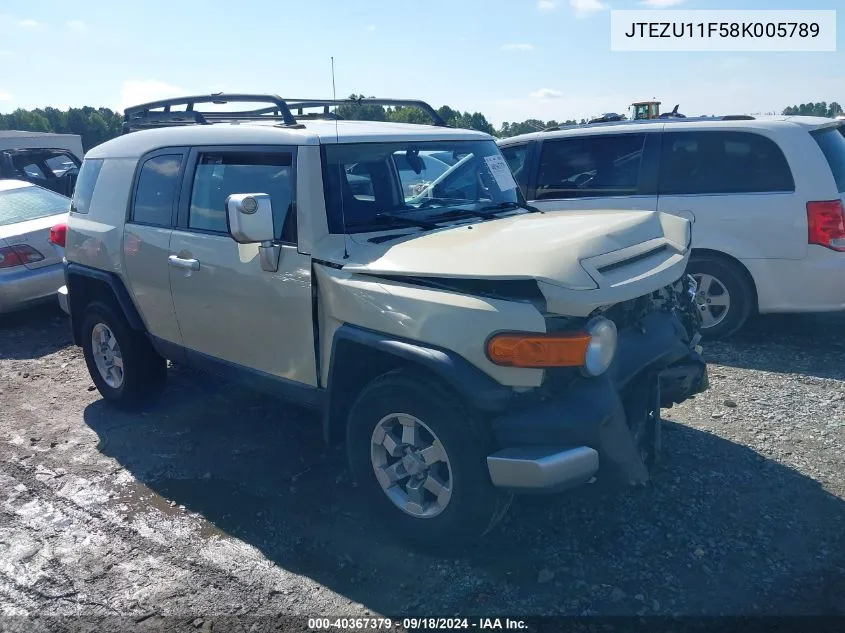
220 502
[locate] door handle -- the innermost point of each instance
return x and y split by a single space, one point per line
184 264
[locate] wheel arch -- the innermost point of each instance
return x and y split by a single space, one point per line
707 252
359 355
87 284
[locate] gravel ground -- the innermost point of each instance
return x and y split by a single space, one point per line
224 502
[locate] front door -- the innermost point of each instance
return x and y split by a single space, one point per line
228 308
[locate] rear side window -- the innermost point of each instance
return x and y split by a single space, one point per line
832 144
155 193
85 183
221 174
30 203
722 162
590 166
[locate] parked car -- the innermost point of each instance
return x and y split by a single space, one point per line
31 267
765 195
49 160
463 345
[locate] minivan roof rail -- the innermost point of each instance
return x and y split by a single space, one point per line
300 104
160 113
668 121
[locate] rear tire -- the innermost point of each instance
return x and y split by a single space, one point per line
725 296
414 411
125 368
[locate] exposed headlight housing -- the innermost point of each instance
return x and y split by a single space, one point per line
602 347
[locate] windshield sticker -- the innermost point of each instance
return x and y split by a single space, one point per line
501 172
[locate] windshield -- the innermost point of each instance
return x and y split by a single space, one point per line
30 203
376 186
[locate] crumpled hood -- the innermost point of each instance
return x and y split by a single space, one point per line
574 250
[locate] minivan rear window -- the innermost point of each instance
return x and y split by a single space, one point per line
722 162
832 144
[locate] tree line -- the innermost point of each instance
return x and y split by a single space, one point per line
96 125
822 108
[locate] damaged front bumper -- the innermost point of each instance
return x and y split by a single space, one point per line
606 427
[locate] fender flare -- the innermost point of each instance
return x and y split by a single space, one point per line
115 284
354 347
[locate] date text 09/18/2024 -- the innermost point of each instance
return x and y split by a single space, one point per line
415 624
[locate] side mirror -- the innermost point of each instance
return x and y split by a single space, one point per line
250 217
251 221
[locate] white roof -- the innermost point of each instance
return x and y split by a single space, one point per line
769 122
10 183
313 132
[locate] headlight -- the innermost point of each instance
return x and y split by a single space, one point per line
592 349
602 347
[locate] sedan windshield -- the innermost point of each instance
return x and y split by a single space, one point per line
30 203
377 186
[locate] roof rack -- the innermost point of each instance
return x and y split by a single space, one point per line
160 113
300 104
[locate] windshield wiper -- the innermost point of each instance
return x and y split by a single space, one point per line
396 219
504 206
490 211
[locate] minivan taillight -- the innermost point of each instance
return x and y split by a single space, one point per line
58 234
826 224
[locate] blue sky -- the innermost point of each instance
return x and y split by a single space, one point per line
510 59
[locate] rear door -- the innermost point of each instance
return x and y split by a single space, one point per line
738 186
596 171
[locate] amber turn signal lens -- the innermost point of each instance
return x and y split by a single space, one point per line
527 350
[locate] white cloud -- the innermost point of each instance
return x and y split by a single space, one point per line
546 93
371 27
5 96
28 23
137 91
517 47
586 8
77 25
661 4
546 5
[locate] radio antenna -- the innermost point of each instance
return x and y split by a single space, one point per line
340 175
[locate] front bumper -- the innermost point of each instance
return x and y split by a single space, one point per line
606 427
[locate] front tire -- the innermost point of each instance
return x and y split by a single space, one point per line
420 460
725 296
125 368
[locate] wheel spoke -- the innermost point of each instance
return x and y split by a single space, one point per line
410 433
391 474
415 492
707 318
704 284
111 342
437 488
393 448
433 453
719 300
118 361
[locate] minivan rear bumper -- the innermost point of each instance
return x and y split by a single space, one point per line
604 427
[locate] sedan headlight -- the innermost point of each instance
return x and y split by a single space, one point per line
602 347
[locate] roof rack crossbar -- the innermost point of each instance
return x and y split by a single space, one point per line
139 116
299 104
